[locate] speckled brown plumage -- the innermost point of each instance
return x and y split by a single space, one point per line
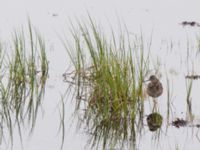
154 88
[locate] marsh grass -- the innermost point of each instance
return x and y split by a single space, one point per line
189 99
169 89
108 78
23 86
197 44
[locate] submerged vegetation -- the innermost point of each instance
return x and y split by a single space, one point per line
108 80
23 80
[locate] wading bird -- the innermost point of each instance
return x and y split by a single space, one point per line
154 88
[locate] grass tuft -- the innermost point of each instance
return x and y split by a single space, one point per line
108 78
22 84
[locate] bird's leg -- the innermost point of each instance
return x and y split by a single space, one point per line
155 106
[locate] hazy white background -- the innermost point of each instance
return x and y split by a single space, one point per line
50 17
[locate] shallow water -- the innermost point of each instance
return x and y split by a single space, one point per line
161 18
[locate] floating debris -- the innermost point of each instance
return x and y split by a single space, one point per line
190 23
184 123
54 15
154 121
179 123
194 77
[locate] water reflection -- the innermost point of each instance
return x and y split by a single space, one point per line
154 121
23 79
